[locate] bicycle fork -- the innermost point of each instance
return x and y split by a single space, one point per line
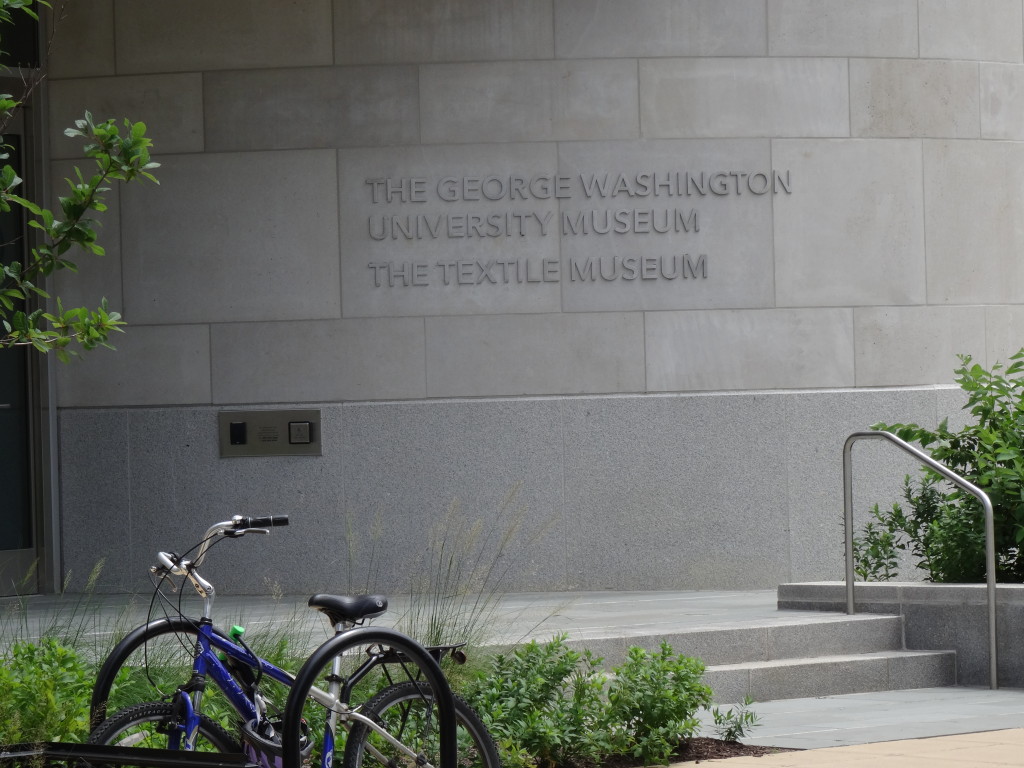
182 727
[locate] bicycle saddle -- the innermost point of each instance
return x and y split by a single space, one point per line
342 608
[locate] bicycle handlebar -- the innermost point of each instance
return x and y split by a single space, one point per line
235 527
271 521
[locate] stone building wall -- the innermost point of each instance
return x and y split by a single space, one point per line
644 265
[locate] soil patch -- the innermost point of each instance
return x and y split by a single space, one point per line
701 749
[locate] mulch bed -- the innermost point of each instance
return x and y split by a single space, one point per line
701 749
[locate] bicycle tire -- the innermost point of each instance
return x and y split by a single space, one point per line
116 660
137 726
393 708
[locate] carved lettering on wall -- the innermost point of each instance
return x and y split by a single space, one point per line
644 204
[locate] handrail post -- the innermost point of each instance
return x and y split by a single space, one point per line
848 521
990 536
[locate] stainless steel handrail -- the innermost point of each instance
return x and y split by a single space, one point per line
990 536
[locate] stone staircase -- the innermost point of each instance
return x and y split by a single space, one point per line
825 658
800 654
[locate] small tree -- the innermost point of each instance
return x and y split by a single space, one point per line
117 158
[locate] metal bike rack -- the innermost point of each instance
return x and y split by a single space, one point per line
61 754
352 638
990 536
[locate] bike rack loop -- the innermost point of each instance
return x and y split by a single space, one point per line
347 640
990 537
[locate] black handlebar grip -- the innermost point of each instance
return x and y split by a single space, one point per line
271 521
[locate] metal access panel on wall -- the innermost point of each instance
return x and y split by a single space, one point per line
269 433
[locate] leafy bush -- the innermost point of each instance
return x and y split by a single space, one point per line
944 527
543 703
46 688
653 700
549 705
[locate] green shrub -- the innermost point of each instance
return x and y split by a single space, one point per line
653 701
549 705
544 704
944 525
46 688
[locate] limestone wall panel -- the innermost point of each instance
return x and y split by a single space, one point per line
193 35
973 200
604 28
171 106
749 349
903 98
228 237
852 231
318 360
324 107
1004 334
1002 101
153 365
83 40
396 31
528 101
963 29
915 345
536 354
728 97
840 28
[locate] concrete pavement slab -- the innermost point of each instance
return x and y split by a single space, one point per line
990 749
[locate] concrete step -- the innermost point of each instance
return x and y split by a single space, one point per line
831 675
796 656
935 617
810 636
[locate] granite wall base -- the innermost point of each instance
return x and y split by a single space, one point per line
688 491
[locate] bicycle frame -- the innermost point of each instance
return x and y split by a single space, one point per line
208 665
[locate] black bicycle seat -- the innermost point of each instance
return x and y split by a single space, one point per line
341 608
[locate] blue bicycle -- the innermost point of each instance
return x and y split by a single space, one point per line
404 720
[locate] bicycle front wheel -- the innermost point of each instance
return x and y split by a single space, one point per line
153 725
407 712
149 663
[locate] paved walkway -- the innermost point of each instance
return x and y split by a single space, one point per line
973 750
977 726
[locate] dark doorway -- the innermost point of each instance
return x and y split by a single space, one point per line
18 550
